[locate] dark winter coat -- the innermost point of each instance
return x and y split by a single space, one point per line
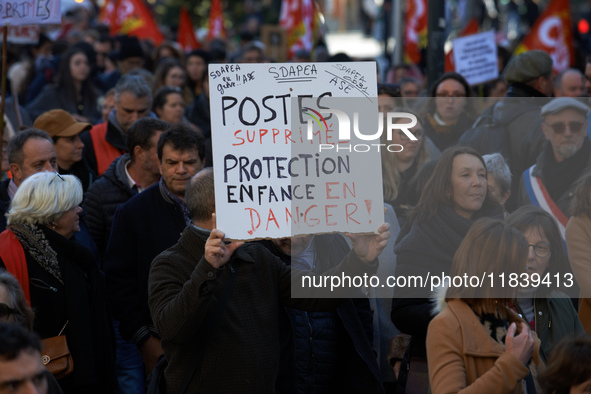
313 343
103 198
242 350
53 97
81 301
143 227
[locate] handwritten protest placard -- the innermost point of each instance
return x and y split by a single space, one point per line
281 167
29 12
25 34
475 57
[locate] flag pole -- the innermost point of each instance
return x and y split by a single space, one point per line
397 30
3 86
436 38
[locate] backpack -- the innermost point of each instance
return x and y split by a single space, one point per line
486 136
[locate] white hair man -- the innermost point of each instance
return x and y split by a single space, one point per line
550 183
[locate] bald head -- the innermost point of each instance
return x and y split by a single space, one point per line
200 198
569 83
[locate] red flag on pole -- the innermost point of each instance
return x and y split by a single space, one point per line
107 12
298 18
470 28
186 35
216 28
415 34
553 34
133 18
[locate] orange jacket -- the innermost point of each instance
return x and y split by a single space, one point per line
104 152
13 257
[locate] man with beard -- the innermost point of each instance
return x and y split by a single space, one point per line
566 157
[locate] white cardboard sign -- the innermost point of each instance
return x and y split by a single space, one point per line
475 57
272 179
29 12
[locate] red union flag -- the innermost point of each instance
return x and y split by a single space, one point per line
553 34
107 12
186 34
469 29
215 28
298 19
415 34
133 18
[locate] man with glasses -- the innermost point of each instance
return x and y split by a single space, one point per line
566 157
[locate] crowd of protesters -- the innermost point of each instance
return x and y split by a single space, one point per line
106 203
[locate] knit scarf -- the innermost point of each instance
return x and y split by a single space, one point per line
33 241
171 198
497 329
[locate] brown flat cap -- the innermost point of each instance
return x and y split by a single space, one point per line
59 123
528 66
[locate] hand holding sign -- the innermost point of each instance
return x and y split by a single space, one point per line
217 252
369 246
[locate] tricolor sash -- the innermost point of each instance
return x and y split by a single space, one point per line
539 196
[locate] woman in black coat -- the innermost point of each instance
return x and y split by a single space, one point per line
60 277
453 198
73 90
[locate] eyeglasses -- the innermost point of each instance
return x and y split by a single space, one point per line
6 311
57 175
560 127
403 137
542 249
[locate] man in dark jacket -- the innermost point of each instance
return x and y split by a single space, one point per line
126 176
142 228
531 82
324 352
240 341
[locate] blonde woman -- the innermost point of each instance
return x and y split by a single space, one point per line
60 277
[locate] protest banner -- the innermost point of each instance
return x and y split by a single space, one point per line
29 12
281 166
475 57
25 34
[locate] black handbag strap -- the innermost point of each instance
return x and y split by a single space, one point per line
203 338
